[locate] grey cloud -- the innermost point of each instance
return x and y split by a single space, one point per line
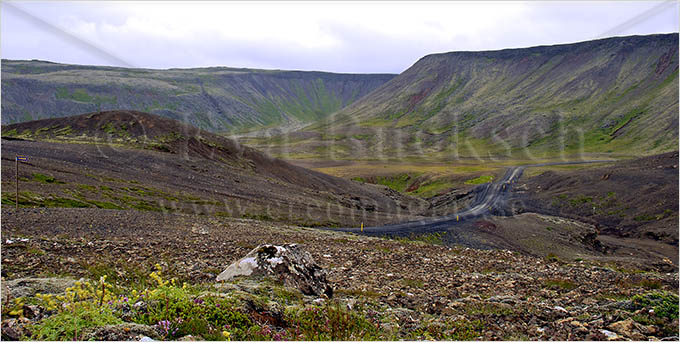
360 48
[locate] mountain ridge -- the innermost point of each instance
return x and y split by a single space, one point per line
608 95
220 99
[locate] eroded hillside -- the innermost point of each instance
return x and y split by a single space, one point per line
614 95
218 99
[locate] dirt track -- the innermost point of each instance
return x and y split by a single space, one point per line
466 226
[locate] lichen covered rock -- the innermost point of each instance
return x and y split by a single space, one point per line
289 264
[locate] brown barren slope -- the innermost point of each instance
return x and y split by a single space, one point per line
131 159
631 203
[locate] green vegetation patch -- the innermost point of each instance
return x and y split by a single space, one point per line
480 180
432 188
333 322
105 205
663 304
398 182
66 325
120 130
659 309
579 200
86 187
29 199
564 284
259 217
413 283
431 238
81 95
413 183
11 133
61 202
169 137
649 217
176 310
66 130
644 217
39 177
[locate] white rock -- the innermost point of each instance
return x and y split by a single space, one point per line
244 267
10 241
610 334
559 308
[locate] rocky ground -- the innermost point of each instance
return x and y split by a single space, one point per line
414 287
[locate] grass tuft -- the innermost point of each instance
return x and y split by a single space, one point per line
480 180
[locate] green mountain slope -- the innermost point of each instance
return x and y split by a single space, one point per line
217 99
611 95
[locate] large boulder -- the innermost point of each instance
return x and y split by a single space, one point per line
289 264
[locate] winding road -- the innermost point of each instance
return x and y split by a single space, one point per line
488 197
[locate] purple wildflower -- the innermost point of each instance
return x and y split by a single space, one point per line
165 325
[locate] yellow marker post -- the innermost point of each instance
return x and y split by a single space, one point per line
457 218
362 227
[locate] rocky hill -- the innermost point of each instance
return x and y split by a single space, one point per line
219 99
135 160
609 95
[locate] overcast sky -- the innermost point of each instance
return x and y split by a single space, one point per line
329 36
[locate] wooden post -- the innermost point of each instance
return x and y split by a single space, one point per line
16 198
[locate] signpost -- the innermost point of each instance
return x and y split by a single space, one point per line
19 158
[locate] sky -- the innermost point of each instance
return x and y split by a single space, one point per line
354 37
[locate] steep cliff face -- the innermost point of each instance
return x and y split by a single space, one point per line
217 99
604 95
